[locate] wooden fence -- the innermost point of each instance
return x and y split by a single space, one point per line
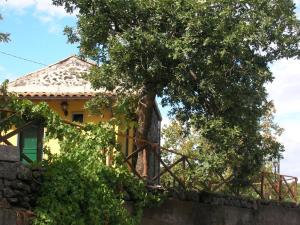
4 138
270 186
279 187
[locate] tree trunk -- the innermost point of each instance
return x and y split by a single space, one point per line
145 109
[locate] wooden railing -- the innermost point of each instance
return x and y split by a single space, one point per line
4 137
279 187
270 186
176 169
155 149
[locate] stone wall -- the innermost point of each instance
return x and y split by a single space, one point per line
210 209
18 185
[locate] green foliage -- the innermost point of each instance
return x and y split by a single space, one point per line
210 164
208 60
87 192
298 191
4 37
78 187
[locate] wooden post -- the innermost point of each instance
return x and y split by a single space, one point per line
154 149
174 182
183 167
184 163
280 188
145 163
262 185
295 189
157 150
127 143
40 136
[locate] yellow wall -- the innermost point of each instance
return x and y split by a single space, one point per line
77 106
13 139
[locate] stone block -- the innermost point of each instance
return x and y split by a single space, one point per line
8 193
24 173
8 170
25 204
9 153
1 184
7 183
13 200
19 185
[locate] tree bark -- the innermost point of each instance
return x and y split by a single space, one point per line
144 111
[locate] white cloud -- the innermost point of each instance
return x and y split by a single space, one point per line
46 7
43 7
45 18
18 5
44 10
285 91
290 138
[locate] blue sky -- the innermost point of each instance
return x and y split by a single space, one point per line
36 33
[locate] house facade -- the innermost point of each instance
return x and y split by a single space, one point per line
62 87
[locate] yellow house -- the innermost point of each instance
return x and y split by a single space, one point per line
62 87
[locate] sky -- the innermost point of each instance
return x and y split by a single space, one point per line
36 28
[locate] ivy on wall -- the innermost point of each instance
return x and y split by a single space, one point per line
78 187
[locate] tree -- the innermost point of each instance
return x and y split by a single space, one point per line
4 37
209 60
210 166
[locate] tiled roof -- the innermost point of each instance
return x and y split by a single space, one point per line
62 79
50 95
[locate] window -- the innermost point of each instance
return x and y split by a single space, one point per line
31 143
77 117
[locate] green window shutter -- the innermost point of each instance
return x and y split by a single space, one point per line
29 143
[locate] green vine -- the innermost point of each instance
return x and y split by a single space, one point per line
78 187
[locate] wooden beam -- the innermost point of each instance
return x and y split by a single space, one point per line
132 167
272 185
224 181
290 190
170 167
40 136
145 163
262 183
27 159
7 111
6 141
16 131
171 173
257 191
7 118
135 152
